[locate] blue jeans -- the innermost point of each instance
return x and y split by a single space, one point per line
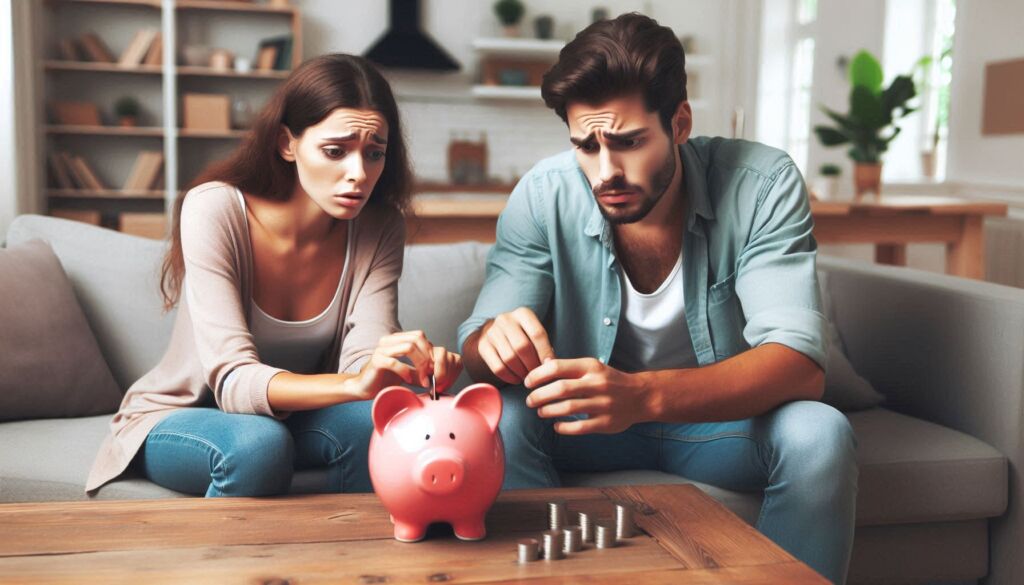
206 451
801 455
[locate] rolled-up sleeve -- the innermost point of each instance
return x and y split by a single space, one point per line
776 279
518 265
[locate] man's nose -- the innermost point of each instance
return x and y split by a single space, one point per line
608 168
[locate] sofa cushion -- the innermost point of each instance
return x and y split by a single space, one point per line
51 364
911 470
845 389
116 279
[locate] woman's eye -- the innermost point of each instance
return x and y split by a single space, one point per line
377 155
333 152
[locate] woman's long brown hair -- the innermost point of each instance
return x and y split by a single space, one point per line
314 90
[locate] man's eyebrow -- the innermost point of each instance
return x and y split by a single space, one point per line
617 137
352 136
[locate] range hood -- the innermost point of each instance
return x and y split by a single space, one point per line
405 46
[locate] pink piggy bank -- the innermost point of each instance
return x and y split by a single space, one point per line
437 460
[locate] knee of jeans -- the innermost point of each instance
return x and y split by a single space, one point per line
819 440
518 421
258 459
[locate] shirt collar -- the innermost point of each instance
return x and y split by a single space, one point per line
696 190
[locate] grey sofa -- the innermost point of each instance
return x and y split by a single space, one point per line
940 484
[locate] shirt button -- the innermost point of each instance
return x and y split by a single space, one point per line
601 359
607 321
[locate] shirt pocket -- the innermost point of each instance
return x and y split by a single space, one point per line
725 319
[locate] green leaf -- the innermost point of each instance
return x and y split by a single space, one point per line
899 92
865 71
866 108
844 122
830 136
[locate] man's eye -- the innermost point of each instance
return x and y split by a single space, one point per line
333 152
589 147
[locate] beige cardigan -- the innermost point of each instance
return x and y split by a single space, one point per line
211 336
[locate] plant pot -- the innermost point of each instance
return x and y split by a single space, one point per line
510 30
128 121
544 27
867 178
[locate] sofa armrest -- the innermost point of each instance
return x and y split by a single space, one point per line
948 350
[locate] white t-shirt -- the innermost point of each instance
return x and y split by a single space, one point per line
652 333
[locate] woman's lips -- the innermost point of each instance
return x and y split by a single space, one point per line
350 199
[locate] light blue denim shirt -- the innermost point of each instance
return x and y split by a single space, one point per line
748 256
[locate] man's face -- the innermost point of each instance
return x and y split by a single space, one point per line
625 153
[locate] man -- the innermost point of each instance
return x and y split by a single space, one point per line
652 303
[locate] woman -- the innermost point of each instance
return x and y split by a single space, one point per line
285 261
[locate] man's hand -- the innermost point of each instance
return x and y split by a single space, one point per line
513 344
614 400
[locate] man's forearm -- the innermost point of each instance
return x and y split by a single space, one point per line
745 385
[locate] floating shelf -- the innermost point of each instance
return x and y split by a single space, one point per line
250 7
518 47
507 92
146 3
222 134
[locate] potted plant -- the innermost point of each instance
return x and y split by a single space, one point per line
826 185
127 111
510 12
869 127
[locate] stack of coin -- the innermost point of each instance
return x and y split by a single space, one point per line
624 527
573 539
553 548
529 550
556 515
585 527
604 535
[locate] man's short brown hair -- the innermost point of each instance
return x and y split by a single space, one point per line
626 55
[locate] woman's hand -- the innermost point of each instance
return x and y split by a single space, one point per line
384 367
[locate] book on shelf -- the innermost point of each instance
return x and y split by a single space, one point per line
76 113
83 174
137 48
67 50
145 172
274 54
155 54
95 49
61 173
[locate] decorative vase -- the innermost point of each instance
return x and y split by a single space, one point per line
544 27
928 164
867 178
128 121
826 187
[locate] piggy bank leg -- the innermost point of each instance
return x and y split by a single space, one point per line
471 528
409 532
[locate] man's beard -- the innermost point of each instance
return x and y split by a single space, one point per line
659 184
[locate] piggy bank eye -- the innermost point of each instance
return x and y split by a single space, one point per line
452 435
428 437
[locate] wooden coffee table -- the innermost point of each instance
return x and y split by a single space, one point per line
684 537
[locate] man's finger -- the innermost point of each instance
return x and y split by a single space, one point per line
569 407
597 424
494 363
523 346
556 369
534 329
555 391
503 348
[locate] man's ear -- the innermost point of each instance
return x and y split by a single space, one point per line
682 123
286 144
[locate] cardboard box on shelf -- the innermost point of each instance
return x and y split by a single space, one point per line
76 113
146 225
89 216
207 111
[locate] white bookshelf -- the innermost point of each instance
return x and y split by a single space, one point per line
111 150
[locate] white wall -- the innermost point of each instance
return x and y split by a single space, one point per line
8 175
986 31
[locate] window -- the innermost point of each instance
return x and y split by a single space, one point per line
788 34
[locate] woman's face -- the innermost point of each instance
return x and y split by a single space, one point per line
339 160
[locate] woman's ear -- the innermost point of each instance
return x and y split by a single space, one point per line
682 123
286 144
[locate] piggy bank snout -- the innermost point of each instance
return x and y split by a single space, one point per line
439 471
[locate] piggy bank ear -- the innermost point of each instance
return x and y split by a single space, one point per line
390 402
484 399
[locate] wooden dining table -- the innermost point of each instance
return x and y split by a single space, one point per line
889 223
